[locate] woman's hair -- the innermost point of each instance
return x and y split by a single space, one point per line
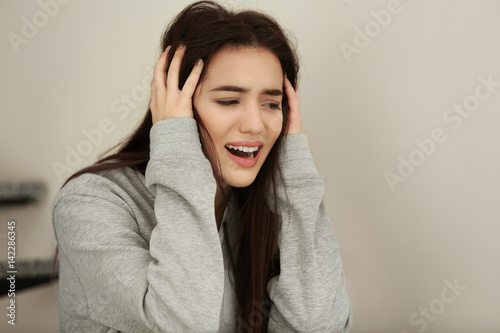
205 27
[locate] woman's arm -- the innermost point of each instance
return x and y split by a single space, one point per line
309 294
174 284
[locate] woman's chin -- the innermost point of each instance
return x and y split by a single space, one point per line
240 180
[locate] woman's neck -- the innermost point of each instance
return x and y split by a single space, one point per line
220 203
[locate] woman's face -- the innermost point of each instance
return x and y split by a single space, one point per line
239 102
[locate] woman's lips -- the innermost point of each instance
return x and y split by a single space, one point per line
248 150
244 162
246 143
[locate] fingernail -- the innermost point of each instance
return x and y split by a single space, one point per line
199 62
181 46
167 49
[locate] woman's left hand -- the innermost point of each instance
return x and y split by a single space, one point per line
294 125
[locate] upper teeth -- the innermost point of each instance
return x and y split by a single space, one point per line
243 149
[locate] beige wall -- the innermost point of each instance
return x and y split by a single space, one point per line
377 105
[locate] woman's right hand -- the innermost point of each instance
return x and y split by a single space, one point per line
167 101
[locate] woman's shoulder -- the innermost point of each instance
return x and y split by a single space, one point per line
115 185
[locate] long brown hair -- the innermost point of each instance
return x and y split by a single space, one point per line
206 27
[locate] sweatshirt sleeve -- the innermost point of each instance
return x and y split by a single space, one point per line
309 294
174 284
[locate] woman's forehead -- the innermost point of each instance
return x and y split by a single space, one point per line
245 67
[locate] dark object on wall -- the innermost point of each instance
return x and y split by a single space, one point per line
29 274
20 192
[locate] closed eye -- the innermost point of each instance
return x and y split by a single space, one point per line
227 103
273 106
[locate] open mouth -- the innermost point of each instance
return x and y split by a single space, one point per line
243 152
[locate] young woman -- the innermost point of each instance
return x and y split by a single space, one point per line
210 217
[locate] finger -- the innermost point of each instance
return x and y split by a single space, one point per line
152 102
296 88
291 94
192 81
294 117
174 69
159 77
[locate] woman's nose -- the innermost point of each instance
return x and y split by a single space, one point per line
251 119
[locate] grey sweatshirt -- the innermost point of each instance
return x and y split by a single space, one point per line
143 254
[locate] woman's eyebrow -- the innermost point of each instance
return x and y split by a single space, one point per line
272 92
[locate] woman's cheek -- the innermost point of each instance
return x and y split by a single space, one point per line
276 122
